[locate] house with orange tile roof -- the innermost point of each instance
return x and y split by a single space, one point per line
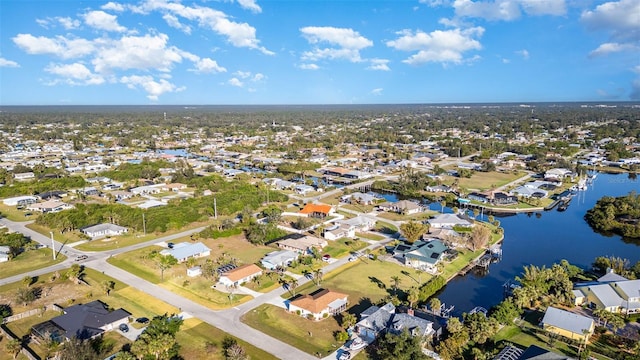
317 210
319 304
240 275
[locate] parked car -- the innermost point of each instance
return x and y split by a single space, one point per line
326 257
124 328
345 356
352 258
81 257
142 320
170 245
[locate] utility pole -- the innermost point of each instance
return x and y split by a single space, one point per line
53 245
144 224
215 209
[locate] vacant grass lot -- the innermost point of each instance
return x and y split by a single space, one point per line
368 281
201 341
310 336
399 217
28 261
486 180
13 214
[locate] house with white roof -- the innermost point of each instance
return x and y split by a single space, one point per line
20 200
449 221
184 251
51 206
611 292
280 258
104 230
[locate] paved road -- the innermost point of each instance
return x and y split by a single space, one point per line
226 320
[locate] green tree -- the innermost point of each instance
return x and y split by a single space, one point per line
232 350
414 296
348 320
13 347
27 281
165 262
434 305
25 295
396 282
78 349
402 346
157 347
412 230
481 328
506 311
107 286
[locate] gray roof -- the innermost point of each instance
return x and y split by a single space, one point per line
567 320
630 288
415 325
605 293
85 320
611 277
356 221
379 319
103 227
278 257
448 219
534 352
185 250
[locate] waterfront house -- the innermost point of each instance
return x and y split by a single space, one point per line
240 275
376 320
319 304
533 352
360 223
103 230
570 325
449 221
501 198
528 192
82 321
423 255
280 258
479 197
303 189
611 292
359 198
404 207
184 251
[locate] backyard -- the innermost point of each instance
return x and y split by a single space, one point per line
310 336
486 180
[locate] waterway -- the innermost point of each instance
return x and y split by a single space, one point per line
543 239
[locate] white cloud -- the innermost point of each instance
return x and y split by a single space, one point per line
68 23
238 34
59 46
250 5
508 10
43 23
435 3
242 74
309 67
377 91
258 77
8 63
175 23
113 6
153 88
444 46
347 41
235 82
100 20
379 64
524 53
136 52
75 74
608 48
208 66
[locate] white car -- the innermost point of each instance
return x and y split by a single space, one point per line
345 356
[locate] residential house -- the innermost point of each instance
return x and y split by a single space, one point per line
338 231
302 245
120 195
404 207
360 223
501 198
151 204
184 251
103 230
557 174
83 321
194 271
527 192
533 352
280 258
303 189
423 255
359 198
438 188
52 195
5 253
449 221
147 189
376 320
611 292
317 210
20 200
175 187
51 206
319 304
24 176
570 325
240 275
90 191
479 197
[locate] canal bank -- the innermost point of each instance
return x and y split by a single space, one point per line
542 239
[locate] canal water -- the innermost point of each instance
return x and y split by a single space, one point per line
543 239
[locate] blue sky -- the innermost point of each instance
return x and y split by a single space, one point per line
317 52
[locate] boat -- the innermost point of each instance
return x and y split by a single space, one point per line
582 184
357 344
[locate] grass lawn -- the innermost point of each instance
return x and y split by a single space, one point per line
487 180
359 208
385 227
399 217
196 289
200 341
370 236
28 261
13 214
332 200
347 215
342 247
368 281
309 336
462 260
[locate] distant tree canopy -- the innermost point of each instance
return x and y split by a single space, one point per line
620 215
145 170
41 185
231 198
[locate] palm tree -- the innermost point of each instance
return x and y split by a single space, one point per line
396 281
317 276
292 286
442 205
414 296
13 347
435 304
